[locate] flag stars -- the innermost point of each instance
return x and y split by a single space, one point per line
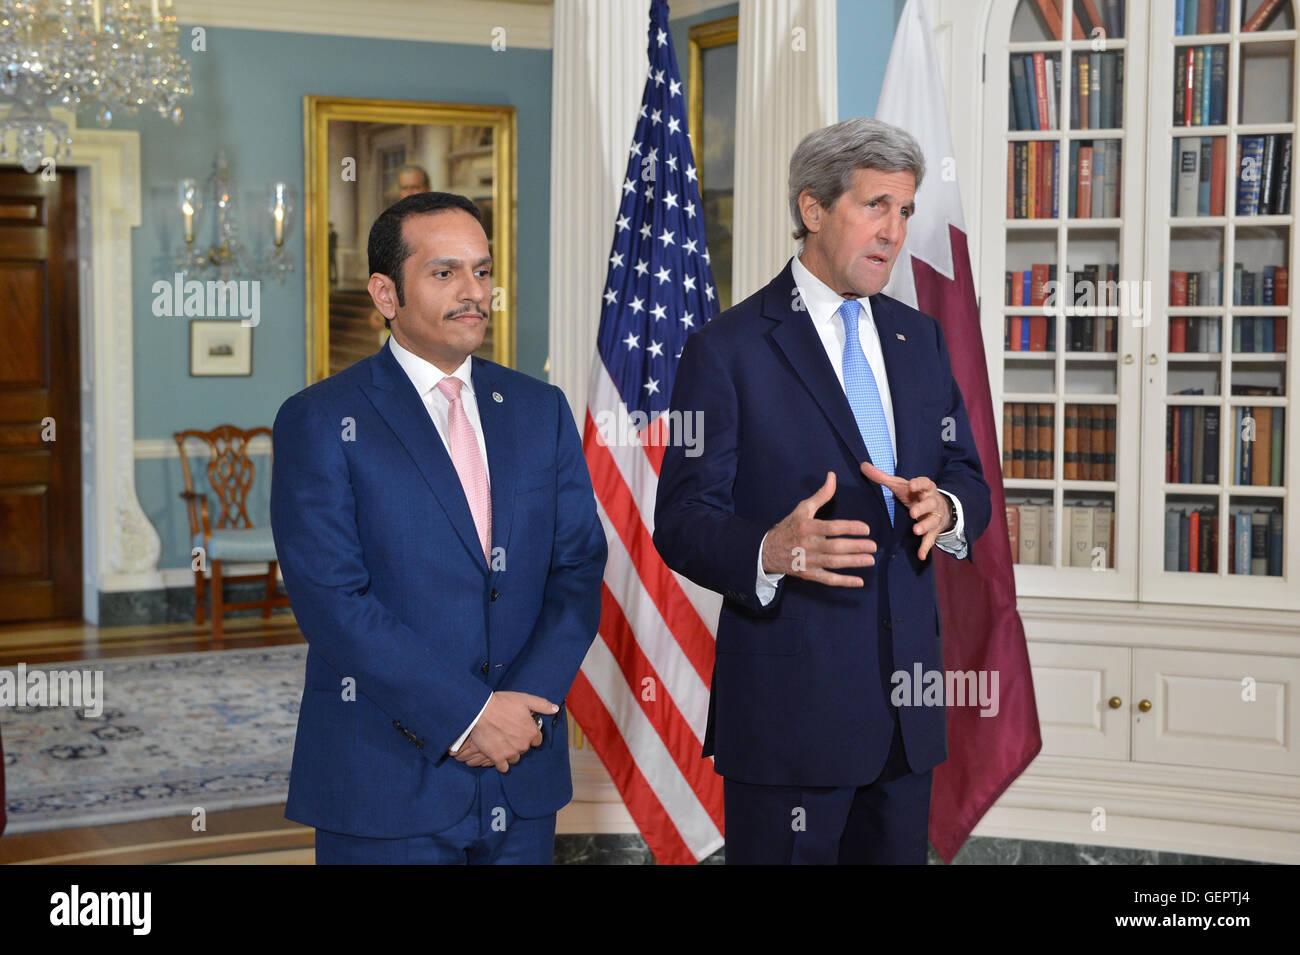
671 163
611 297
628 187
637 304
635 148
690 209
642 267
666 238
708 292
663 275
670 201
632 341
623 223
616 260
652 385
656 349
689 246
661 37
689 283
656 117
705 257
690 173
649 193
674 88
645 231
673 124
643 110
659 312
659 78
688 321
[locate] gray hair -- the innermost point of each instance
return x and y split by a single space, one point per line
824 162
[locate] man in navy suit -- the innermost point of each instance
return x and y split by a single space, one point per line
834 437
437 530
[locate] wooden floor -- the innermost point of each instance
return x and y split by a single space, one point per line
257 835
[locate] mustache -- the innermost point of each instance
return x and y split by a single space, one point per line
465 311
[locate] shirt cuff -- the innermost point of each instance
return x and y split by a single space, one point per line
953 541
766 584
465 735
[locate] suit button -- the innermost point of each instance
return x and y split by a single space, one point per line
484 668
495 593
398 726
886 625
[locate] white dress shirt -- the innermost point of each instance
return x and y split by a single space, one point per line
823 305
426 377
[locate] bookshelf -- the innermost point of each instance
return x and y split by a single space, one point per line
1124 404
1218 522
1064 252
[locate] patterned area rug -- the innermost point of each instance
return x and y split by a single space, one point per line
212 730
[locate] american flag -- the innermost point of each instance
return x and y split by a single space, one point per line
642 694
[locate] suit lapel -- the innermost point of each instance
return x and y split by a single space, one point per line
498 419
395 398
802 347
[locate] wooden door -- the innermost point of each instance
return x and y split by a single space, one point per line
40 433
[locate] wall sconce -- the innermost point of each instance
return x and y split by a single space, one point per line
227 257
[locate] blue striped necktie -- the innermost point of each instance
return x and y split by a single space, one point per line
864 399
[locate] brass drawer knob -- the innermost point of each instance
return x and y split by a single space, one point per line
1115 702
1145 706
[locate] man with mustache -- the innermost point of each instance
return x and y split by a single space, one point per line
837 455
437 530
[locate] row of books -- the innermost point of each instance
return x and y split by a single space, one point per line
1269 286
1264 175
1084 333
1028 441
1088 15
1254 545
1033 179
1253 334
1087 287
1200 86
1097 91
1192 445
1196 188
1085 526
1195 288
1260 445
1211 16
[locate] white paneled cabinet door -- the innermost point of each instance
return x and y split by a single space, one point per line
1083 699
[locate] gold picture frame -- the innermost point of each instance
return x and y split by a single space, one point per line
704 36
711 105
474 142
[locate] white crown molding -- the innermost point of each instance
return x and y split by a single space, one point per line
526 25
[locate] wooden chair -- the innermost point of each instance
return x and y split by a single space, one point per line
232 537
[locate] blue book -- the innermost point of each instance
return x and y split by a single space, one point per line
1056 180
1218 84
1184 536
1249 173
1024 327
1098 179
1020 93
1248 335
1189 17
1220 17
1275 543
1247 447
1185 418
1241 543
1202 86
1264 335
1269 275
1027 277
1074 178
1203 184
1031 85
1178 31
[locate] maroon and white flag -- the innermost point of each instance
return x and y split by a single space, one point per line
977 598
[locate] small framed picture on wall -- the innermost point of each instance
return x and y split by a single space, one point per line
220 348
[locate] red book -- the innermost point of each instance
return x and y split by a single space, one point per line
1178 289
1040 82
1193 540
1045 179
1038 333
1189 86
1279 333
1083 191
1218 171
1017 294
1178 334
1016 332
1205 16
1037 291
1280 285
1261 16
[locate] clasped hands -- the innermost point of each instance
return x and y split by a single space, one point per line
803 546
505 730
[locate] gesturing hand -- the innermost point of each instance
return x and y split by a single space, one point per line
507 729
930 509
805 547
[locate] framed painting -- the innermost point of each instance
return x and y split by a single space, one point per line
711 106
363 155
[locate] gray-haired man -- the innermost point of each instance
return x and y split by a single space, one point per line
835 439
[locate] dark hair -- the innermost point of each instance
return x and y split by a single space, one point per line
388 251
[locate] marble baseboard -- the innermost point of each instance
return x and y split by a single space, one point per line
630 849
173 604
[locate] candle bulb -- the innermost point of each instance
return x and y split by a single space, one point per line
279 223
188 210
95 9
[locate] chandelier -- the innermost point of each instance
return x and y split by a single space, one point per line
116 55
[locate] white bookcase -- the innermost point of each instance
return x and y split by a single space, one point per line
1140 376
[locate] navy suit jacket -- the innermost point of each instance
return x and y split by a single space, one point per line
389 584
800 696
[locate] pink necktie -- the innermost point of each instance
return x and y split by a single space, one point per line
468 461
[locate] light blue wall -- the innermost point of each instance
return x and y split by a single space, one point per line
249 87
865 32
